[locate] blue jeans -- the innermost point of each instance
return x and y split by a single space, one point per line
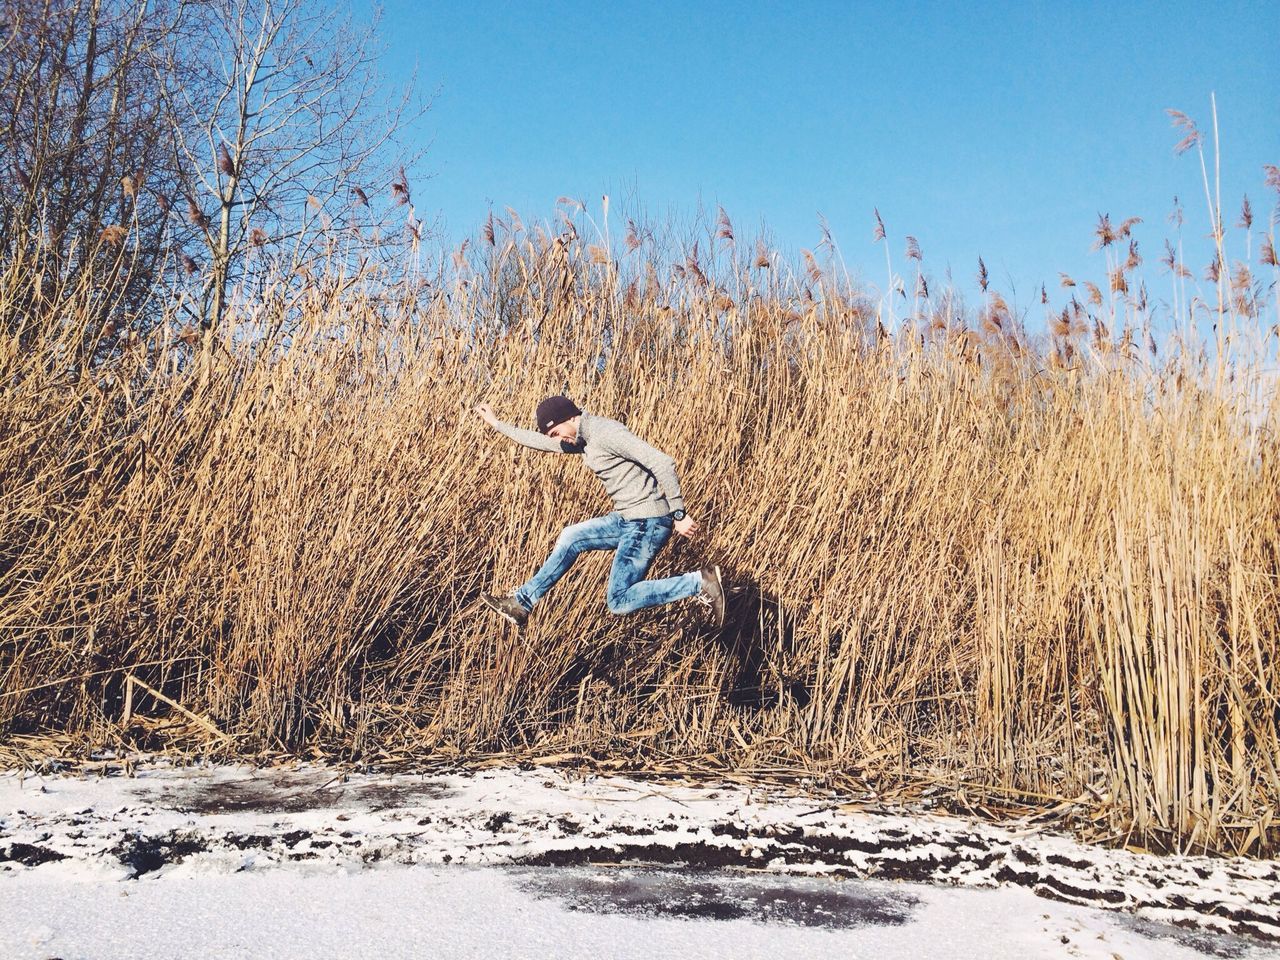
636 543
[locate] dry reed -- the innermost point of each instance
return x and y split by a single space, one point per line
958 558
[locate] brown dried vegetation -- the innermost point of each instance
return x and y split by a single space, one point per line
1044 575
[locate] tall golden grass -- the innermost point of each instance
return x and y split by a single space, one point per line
1043 569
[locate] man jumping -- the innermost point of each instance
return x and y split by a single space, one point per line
641 481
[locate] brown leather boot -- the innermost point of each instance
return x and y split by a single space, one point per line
713 594
507 607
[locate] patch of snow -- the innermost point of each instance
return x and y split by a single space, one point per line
237 829
413 912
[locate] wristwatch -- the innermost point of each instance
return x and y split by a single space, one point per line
677 515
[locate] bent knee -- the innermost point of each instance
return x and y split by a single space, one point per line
575 533
619 605
570 539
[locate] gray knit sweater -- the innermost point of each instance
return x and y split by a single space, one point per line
639 479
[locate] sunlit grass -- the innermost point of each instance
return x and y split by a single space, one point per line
1042 568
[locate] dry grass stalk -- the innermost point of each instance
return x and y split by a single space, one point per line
957 561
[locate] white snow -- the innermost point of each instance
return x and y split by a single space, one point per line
460 912
308 861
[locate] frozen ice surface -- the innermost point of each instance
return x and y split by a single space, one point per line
494 912
308 861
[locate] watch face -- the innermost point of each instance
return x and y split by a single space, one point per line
678 515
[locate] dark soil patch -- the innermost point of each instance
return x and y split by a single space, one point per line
1076 894
891 859
249 841
703 895
1061 861
261 796
29 855
389 796
918 869
798 849
295 793
147 854
696 855
1211 944
627 830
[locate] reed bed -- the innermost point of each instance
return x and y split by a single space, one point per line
1032 570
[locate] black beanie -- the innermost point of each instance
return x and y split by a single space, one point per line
554 410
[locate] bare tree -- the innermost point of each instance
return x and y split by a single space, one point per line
281 133
85 170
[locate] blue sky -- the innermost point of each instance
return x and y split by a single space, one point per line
1001 131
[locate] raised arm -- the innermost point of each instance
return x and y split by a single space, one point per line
526 438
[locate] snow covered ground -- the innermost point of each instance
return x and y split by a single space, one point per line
307 861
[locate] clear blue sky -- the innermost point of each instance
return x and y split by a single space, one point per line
1001 130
